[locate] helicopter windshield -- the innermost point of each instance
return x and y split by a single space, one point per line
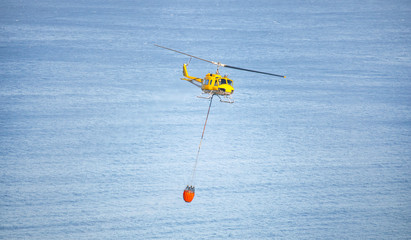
230 82
223 81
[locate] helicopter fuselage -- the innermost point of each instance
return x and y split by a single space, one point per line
213 83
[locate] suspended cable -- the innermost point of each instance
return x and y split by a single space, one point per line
202 136
189 192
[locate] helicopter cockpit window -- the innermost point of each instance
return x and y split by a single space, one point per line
223 81
230 82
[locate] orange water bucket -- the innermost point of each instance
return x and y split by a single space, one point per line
188 194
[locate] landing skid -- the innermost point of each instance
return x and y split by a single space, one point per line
227 98
208 96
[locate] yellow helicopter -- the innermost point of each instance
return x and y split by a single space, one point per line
214 84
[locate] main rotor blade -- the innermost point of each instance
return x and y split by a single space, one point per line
254 71
186 54
220 64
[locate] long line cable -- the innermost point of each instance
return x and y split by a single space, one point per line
199 146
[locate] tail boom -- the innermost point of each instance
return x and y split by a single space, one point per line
188 77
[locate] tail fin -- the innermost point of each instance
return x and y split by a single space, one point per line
185 73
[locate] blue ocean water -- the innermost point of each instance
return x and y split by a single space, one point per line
98 136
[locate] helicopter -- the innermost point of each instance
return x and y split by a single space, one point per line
214 84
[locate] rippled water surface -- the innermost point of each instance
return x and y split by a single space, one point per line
98 136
